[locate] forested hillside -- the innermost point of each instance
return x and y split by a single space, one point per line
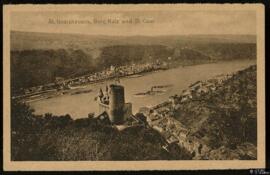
55 138
36 67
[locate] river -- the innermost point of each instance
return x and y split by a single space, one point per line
80 105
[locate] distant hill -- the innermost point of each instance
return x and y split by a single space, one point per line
32 40
38 58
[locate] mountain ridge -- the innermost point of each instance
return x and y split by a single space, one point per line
37 40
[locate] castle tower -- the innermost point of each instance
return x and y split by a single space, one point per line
117 103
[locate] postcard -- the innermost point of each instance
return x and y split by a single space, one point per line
133 87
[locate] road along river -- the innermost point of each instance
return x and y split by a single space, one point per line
80 105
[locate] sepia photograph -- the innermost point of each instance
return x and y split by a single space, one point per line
134 87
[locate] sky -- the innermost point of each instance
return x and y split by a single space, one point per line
150 22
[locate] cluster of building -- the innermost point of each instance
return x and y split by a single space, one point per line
199 89
112 72
174 132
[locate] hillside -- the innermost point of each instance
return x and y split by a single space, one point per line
226 117
37 67
62 138
38 58
89 43
93 44
214 119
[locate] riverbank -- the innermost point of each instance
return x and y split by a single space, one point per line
61 85
65 86
180 78
220 134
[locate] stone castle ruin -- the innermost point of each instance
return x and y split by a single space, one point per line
112 102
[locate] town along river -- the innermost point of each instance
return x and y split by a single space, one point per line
178 79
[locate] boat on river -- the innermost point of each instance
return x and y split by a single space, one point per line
81 92
135 76
76 87
155 90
